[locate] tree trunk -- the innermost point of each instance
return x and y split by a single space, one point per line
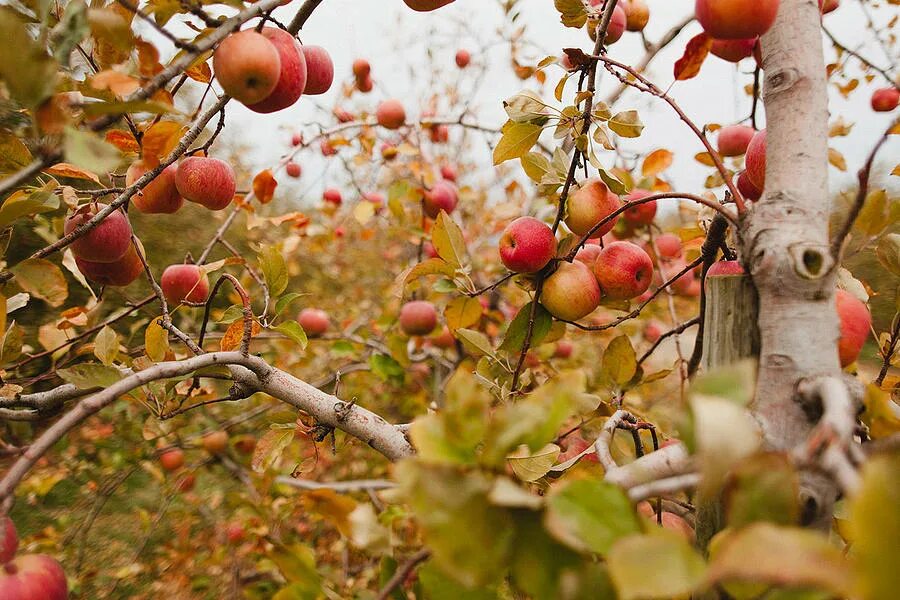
785 241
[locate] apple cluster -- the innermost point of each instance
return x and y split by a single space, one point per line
28 576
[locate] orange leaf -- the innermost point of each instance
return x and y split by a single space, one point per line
123 140
160 140
694 54
656 162
148 58
67 170
235 333
200 71
264 185
119 84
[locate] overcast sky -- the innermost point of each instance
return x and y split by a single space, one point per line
395 40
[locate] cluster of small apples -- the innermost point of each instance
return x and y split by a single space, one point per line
29 576
203 180
628 15
741 140
268 70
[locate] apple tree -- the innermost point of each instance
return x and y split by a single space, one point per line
432 354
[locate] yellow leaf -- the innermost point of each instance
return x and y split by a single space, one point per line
235 333
656 162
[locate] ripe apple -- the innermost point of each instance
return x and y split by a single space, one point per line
639 215
734 139
9 540
733 50
589 205
187 483
326 148
319 70
292 77
376 199
182 283
245 444
172 459
439 134
332 196
391 114
442 196
588 254
527 245
736 19
444 339
158 196
206 181
235 533
449 173
215 442
617 24
365 85
418 317
426 5
637 14
107 242
746 187
856 323
571 292
339 231
429 250
724 268
564 349
652 331
755 161
885 99
118 273
33 577
463 58
623 270
828 5
293 169
669 246
669 520
389 151
314 321
361 68
296 139
247 66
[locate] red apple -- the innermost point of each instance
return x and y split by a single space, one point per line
418 317
160 195
235 533
245 444
172 459
463 58
429 250
187 483
206 181
215 442
669 245
247 66
564 349
439 134
107 242
326 148
332 196
828 5
292 77
391 114
118 273
448 173
639 215
365 85
33 577
314 321
527 245
571 292
885 99
736 19
652 331
617 24
588 254
293 169
182 283
9 540
442 196
637 14
733 50
755 161
319 70
856 323
623 270
296 139
669 520
361 68
426 5
444 339
734 139
339 231
589 205
746 187
724 268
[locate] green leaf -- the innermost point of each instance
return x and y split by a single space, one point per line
590 515
438 586
274 269
11 348
86 376
529 466
516 141
874 528
626 123
270 447
448 240
89 151
71 29
475 342
432 266
462 311
619 363
25 67
297 564
282 303
783 556
515 334
765 487
96 109
294 331
662 565
874 216
22 204
535 166
386 367
571 13
14 154
231 314
106 345
888 252
43 279
612 182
